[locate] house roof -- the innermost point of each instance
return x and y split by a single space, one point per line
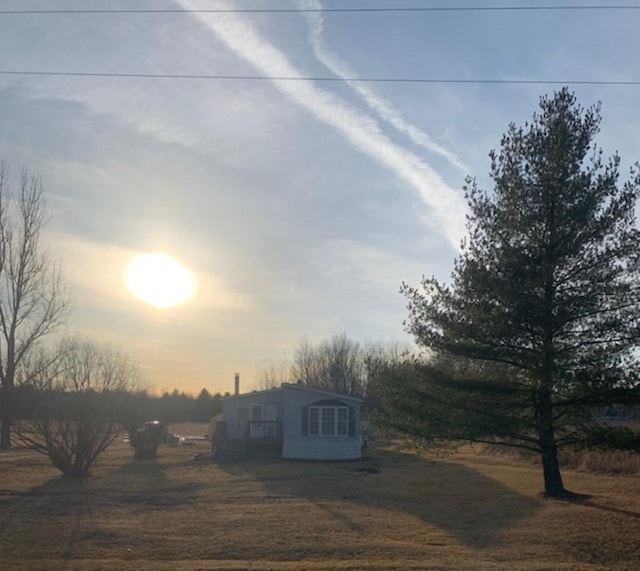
319 391
253 393
296 387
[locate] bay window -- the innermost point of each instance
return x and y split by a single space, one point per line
328 421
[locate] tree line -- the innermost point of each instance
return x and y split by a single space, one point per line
173 407
178 406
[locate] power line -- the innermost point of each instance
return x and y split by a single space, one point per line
220 77
599 7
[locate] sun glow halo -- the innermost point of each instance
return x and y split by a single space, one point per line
159 280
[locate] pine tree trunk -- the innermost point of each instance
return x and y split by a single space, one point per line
553 485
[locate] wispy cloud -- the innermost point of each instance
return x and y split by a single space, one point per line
376 103
361 130
366 267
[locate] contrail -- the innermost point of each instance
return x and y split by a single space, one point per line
379 105
447 206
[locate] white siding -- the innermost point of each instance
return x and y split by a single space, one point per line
290 401
297 445
230 406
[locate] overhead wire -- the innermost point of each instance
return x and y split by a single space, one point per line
548 7
222 77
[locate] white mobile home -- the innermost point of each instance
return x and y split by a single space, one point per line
299 422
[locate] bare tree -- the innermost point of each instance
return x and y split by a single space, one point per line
344 365
272 375
33 298
336 364
82 389
305 367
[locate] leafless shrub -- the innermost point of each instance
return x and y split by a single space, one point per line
80 392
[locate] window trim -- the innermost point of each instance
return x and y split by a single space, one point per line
320 423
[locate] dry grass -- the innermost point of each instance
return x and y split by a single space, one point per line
612 462
389 511
602 461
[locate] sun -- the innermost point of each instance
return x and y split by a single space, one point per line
159 280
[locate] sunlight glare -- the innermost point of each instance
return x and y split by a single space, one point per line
159 280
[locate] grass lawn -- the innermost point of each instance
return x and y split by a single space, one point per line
388 511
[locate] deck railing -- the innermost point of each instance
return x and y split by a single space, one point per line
263 430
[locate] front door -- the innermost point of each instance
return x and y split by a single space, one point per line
257 428
271 415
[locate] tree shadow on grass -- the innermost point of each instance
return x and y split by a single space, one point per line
58 517
144 482
50 513
464 503
591 504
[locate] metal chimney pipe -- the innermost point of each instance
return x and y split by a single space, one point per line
236 390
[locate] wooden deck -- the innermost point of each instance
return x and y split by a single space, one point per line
261 439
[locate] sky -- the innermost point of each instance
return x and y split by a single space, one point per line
299 207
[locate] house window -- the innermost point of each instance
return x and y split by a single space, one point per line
242 417
328 421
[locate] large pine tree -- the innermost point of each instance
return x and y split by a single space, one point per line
540 322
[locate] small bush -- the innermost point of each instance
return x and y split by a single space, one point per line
145 439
